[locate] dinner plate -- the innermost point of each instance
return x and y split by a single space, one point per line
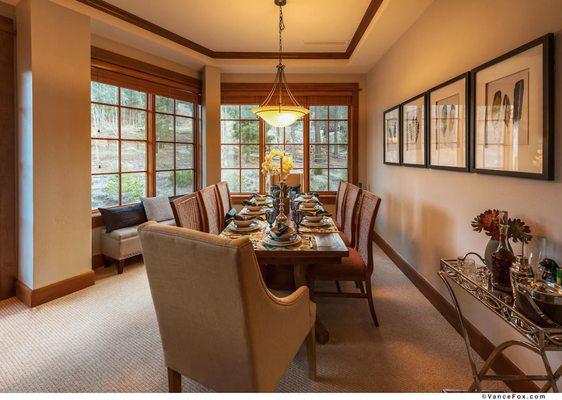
270 241
324 222
308 208
248 212
253 227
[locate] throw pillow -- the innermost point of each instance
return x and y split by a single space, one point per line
157 208
122 217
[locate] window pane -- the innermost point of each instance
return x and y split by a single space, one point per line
104 121
164 104
230 112
105 191
184 156
102 93
335 176
250 156
246 112
184 108
250 180
184 182
184 129
133 124
294 133
105 156
132 98
165 127
165 183
318 132
318 112
338 156
338 112
230 132
273 135
338 132
319 179
297 152
133 187
318 156
230 156
232 176
164 156
133 156
250 132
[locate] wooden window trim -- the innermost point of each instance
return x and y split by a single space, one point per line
307 94
124 72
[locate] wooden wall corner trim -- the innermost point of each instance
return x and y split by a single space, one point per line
35 297
478 341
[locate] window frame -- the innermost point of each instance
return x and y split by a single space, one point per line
308 94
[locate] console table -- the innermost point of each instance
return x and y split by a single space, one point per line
536 338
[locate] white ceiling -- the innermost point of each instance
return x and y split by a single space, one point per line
251 25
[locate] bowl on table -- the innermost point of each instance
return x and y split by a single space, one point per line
314 218
254 208
243 223
306 196
308 204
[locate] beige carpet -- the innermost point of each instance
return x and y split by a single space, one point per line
105 339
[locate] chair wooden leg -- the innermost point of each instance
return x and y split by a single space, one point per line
359 285
338 286
370 300
120 265
174 381
311 353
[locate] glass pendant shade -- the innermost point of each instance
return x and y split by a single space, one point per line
280 116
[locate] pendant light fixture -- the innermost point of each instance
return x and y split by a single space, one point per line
273 110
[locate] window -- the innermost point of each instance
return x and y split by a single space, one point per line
119 145
328 148
319 145
132 130
175 146
240 148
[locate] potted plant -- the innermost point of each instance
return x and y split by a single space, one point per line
489 222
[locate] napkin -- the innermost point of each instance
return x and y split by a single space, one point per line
282 233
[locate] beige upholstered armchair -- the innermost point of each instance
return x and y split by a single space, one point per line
219 323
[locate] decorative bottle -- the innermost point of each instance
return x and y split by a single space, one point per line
502 259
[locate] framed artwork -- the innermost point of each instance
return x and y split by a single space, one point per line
414 131
448 106
391 136
512 111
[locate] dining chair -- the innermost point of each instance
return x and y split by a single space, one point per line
210 209
187 212
225 202
350 215
340 199
358 266
218 322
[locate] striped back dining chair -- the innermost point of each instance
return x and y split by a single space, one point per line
225 203
350 214
209 203
187 212
340 199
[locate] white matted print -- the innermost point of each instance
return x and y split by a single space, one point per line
392 136
508 126
413 131
447 125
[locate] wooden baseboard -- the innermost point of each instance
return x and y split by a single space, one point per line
35 297
97 261
478 341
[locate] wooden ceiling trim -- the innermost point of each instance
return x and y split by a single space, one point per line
133 19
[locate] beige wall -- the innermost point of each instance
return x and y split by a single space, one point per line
54 142
426 214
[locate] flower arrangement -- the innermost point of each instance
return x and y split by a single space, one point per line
277 163
489 222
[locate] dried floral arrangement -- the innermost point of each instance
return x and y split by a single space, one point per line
489 222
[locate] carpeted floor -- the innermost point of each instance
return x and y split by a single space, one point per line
105 339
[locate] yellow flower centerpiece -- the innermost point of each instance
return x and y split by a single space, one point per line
277 163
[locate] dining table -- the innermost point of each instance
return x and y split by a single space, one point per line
317 245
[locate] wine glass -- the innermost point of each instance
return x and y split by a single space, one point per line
270 216
536 253
297 219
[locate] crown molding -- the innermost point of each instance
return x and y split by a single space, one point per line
133 19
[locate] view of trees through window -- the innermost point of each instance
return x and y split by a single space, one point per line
120 145
321 141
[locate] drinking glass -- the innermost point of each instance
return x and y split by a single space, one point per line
536 253
297 219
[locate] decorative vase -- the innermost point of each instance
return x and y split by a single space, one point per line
490 248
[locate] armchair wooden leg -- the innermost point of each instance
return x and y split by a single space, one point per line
338 286
174 381
311 353
370 300
120 265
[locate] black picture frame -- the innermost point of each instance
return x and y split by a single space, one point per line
547 41
467 122
395 108
425 130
